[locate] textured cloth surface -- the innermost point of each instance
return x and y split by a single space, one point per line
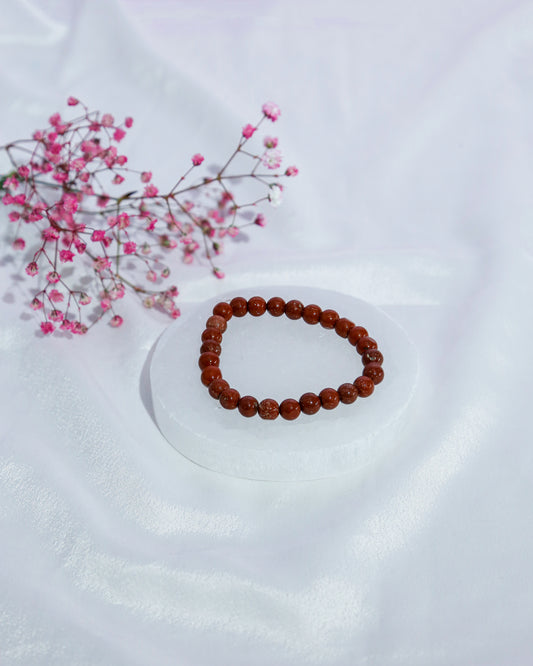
411 123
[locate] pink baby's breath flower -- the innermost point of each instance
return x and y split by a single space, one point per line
55 296
66 255
151 276
270 142
50 234
85 299
36 304
233 231
102 201
101 264
14 216
53 277
32 268
146 176
130 247
128 122
55 119
271 111
118 179
105 304
23 172
291 171
149 301
56 315
150 191
218 273
197 159
119 134
271 159
248 130
116 321
107 120
47 327
72 101
146 249
98 235
165 272
19 244
66 325
260 220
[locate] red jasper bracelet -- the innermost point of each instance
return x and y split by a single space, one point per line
309 403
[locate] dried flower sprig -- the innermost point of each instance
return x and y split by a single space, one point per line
62 189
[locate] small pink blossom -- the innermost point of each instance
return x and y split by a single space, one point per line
146 176
121 160
291 171
80 246
55 119
23 171
102 201
85 299
72 101
66 325
70 203
151 276
19 244
248 130
165 272
150 191
32 268
19 199
119 134
98 235
233 231
116 321
118 179
56 315
271 159
53 277
218 273
130 247
260 220
107 120
105 304
50 234
271 111
36 304
197 159
47 327
55 296
101 264
270 142
78 328
149 301
14 216
128 122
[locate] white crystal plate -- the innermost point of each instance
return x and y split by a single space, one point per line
274 357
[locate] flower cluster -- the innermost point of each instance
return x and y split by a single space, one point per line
63 189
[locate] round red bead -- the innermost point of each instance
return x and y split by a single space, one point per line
311 314
276 306
207 359
223 310
329 398
248 406
375 372
217 386
209 374
218 322
347 393
343 326
372 356
210 346
364 386
329 318
239 306
268 409
257 306
289 409
355 334
294 309
212 334
310 403
366 343
229 398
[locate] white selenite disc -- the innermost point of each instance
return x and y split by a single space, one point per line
274 357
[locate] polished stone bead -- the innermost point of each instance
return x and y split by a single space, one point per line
239 306
257 306
209 374
229 398
343 326
364 386
289 409
207 359
248 405
217 386
355 334
375 372
294 309
212 334
210 346
372 356
276 306
218 322
329 318
347 393
268 409
365 343
223 310
311 314
310 403
329 398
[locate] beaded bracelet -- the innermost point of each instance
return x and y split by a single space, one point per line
290 408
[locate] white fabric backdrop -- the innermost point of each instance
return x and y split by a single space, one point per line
411 124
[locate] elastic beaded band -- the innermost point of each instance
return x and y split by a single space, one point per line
309 403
